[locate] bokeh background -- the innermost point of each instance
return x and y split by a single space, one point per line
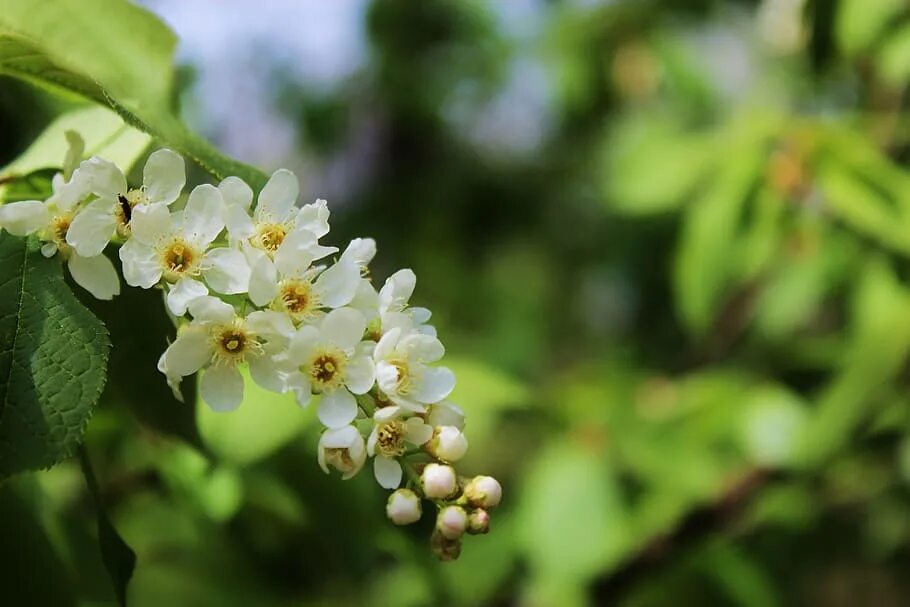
666 246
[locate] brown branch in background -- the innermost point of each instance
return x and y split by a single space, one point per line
694 528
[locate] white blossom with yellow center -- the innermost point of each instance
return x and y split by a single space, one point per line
174 247
402 372
117 205
392 433
393 305
342 449
217 341
331 360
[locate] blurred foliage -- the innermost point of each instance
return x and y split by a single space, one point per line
680 319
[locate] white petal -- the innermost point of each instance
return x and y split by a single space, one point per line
425 348
340 438
337 408
68 193
92 228
266 373
385 414
302 344
417 432
294 255
446 414
435 384
337 285
343 327
238 223
263 282
140 264
397 290
190 351
221 387
270 324
359 374
104 178
300 386
203 217
366 299
183 293
360 251
387 472
164 176
314 217
96 275
278 196
150 223
236 193
49 249
210 309
387 344
23 218
227 270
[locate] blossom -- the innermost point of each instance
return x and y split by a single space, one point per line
393 304
403 507
402 372
113 212
438 481
51 220
332 361
175 247
342 449
217 341
388 441
483 492
452 521
448 444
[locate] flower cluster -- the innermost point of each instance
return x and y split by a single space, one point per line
251 287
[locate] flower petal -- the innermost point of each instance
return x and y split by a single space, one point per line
359 374
140 264
397 290
190 352
228 271
278 196
203 217
337 408
360 251
95 274
185 291
266 373
303 343
92 228
221 387
104 178
314 217
238 223
435 384
263 282
150 223
343 327
236 193
23 218
270 324
387 472
424 348
210 309
338 284
164 176
417 431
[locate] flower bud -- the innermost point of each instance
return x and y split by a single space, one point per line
403 507
444 548
448 444
452 522
483 492
438 481
479 522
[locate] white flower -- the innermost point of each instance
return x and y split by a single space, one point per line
403 507
175 247
217 340
452 521
393 305
438 481
332 361
342 449
51 220
402 373
445 413
448 444
290 285
388 440
483 492
163 179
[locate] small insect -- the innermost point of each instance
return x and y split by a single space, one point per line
125 206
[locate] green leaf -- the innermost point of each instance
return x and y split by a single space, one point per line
53 360
114 53
893 59
861 22
264 423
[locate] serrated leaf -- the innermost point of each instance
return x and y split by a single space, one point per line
114 53
53 360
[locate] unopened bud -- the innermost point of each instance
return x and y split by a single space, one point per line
403 507
483 492
452 522
479 522
438 481
448 444
444 548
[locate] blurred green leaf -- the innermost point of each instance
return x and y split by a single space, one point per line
262 425
893 58
860 23
53 358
